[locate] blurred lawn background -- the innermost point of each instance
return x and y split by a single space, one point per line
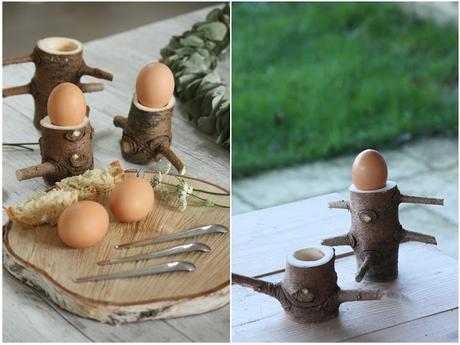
315 80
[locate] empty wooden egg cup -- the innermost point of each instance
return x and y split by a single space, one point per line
65 150
57 60
147 134
375 232
309 291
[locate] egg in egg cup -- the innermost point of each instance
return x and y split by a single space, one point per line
309 291
66 137
56 59
376 232
147 132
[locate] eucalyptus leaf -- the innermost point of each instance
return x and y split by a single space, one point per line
214 31
193 57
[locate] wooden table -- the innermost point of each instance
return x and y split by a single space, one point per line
421 305
27 315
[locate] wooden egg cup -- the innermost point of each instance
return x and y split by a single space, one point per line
65 150
308 292
375 232
147 134
57 60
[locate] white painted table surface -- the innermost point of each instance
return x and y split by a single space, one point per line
420 306
28 316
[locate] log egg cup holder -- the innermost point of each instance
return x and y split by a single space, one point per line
147 134
376 232
57 60
65 150
308 292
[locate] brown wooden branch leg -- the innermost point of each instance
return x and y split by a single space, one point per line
97 73
175 161
120 121
420 200
16 90
91 87
363 269
258 285
342 240
417 236
339 204
358 295
36 171
18 59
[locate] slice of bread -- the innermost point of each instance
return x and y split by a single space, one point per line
42 208
46 207
93 182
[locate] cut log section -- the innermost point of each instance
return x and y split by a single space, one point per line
39 259
147 134
309 291
376 231
57 60
65 150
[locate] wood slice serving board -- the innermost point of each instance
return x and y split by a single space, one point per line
38 258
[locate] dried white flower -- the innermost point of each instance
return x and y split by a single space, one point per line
208 203
182 203
166 169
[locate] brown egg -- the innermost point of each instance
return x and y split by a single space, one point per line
155 85
369 171
66 105
83 224
131 199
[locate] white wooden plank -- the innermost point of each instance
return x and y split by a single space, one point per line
27 318
441 327
147 331
273 232
207 330
122 54
427 285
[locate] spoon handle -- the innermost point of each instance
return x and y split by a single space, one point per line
163 268
185 248
200 231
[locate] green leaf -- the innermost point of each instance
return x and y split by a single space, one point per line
215 31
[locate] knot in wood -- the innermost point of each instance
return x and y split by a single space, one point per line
75 135
367 216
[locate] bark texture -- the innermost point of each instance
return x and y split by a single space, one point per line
376 232
51 70
147 136
65 152
308 294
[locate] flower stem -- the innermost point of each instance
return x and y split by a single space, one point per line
21 145
197 190
215 203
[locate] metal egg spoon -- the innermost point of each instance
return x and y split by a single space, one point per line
157 269
200 231
184 248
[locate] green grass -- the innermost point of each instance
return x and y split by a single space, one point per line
344 76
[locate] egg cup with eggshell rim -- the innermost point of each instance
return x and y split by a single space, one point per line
147 134
65 150
57 60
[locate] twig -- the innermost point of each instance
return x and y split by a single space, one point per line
197 190
420 200
416 236
16 90
363 269
358 295
342 240
339 204
18 59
